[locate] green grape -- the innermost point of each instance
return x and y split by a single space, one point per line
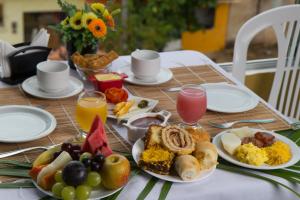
68 193
93 179
58 176
83 192
85 155
57 188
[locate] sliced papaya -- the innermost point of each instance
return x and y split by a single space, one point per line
35 171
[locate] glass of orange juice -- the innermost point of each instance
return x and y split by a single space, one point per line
90 104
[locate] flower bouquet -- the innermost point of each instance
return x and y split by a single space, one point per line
83 29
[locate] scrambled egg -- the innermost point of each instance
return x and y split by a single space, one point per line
251 154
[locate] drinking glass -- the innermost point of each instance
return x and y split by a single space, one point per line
90 104
191 104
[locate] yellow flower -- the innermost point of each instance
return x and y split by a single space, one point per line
106 13
98 7
87 18
75 21
98 28
65 22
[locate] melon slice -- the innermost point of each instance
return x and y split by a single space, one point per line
96 140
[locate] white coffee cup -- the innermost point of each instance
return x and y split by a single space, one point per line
53 76
145 65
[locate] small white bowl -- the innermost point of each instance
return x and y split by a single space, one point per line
134 132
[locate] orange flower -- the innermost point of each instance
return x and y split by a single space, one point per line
110 21
98 28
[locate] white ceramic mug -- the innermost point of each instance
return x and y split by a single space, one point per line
145 65
53 76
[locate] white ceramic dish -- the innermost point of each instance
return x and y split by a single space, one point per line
134 133
138 148
95 194
227 98
294 148
151 105
24 123
31 87
164 76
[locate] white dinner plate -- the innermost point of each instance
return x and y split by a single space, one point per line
138 148
151 105
24 123
227 98
98 193
164 76
31 87
294 150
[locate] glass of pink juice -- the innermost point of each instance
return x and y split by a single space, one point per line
191 103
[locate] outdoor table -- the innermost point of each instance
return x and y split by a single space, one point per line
220 185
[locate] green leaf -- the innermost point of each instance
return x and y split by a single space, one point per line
165 190
248 173
147 189
26 184
14 172
115 12
16 163
113 196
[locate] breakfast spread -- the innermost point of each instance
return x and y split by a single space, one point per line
94 61
255 148
171 149
72 170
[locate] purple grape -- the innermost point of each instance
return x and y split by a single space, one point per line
86 162
95 166
76 147
99 158
66 147
75 154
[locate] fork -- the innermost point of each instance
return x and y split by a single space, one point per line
230 124
15 152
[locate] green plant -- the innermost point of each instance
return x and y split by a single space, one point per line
151 24
85 27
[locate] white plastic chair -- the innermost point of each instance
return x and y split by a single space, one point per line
285 22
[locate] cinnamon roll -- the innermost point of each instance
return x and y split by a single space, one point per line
177 140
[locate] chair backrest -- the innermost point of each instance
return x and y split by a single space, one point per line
285 22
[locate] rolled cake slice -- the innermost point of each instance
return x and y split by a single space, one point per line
177 140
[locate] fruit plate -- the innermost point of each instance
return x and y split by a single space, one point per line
97 193
294 149
138 148
150 107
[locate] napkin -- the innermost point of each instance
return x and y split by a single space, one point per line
5 49
40 39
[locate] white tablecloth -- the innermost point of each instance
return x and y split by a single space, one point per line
221 185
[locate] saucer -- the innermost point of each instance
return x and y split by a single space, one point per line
31 87
164 76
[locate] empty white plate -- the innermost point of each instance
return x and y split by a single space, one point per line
31 87
227 98
164 76
24 123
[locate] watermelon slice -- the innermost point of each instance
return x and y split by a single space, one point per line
96 140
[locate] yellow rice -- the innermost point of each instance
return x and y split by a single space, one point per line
278 153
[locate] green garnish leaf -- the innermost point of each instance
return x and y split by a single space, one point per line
165 190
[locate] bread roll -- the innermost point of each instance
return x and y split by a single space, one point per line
187 167
207 155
